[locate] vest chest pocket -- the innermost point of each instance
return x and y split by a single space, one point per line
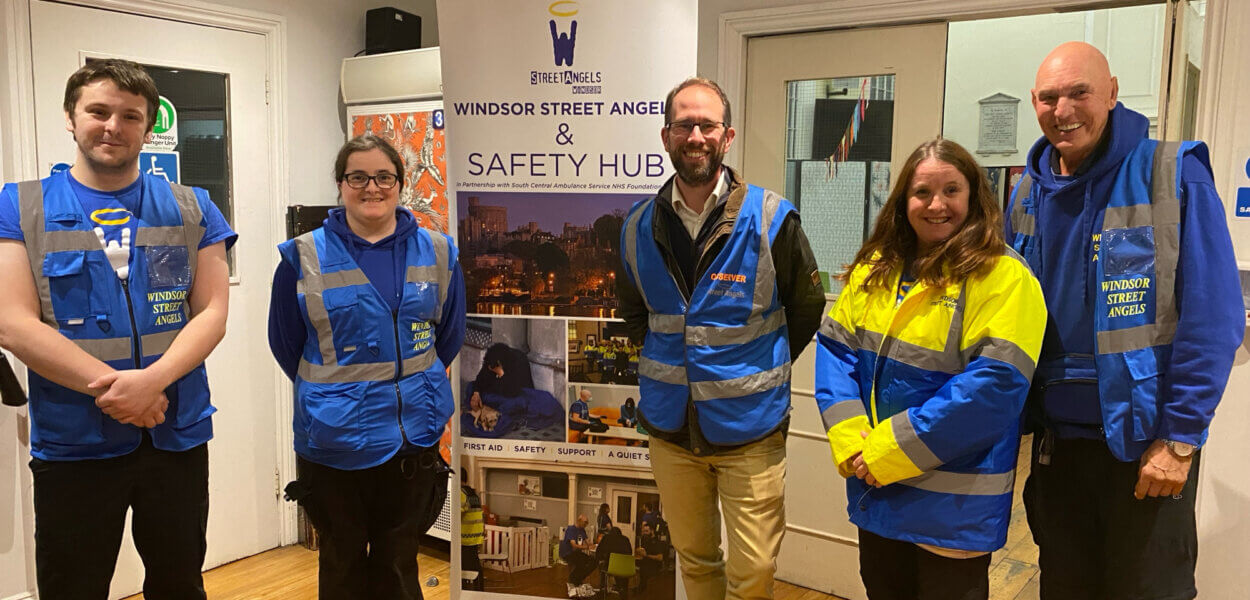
347 324
1128 251
421 301
70 285
168 266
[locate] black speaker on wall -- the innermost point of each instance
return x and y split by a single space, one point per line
390 30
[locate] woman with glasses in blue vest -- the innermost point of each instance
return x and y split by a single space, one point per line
922 370
366 313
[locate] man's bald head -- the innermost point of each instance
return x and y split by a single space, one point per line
1073 96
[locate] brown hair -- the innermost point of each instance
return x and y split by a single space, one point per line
128 76
364 143
693 81
970 250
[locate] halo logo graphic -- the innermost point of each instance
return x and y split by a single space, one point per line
562 43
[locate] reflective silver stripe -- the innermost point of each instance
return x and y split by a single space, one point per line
1120 217
1010 252
1002 350
765 272
921 357
380 371
30 200
107 349
662 372
423 274
869 340
313 286
1021 220
339 279
442 270
724 336
964 484
1166 207
1136 338
910 443
157 236
842 410
631 252
71 241
193 232
740 386
155 344
836 332
659 323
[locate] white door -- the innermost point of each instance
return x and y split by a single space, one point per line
624 507
243 457
866 97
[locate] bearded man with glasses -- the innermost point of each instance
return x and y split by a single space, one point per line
719 283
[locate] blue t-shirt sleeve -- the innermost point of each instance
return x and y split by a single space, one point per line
216 229
10 216
287 333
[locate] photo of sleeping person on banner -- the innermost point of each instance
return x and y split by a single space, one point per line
510 370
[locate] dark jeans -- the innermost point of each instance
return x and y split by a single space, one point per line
80 513
469 561
648 568
370 523
1097 541
580 565
897 570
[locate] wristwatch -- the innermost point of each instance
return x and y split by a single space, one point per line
1180 449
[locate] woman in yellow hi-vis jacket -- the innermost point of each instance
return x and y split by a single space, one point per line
922 370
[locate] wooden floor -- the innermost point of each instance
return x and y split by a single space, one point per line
290 573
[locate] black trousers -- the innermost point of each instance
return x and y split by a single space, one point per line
580 565
897 570
370 523
1099 542
469 561
80 513
648 568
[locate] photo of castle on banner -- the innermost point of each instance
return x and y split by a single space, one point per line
546 254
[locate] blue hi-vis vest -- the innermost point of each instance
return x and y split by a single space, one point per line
1135 290
126 324
727 347
368 380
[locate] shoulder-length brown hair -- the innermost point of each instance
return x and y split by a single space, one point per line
893 244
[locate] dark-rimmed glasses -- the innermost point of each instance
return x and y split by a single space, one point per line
685 128
359 181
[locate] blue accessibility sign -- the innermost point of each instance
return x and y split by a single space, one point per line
162 164
1243 197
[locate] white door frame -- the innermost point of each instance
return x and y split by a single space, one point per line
21 143
736 27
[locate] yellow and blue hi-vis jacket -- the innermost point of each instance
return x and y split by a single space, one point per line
938 382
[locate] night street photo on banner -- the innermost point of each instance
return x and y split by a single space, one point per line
542 253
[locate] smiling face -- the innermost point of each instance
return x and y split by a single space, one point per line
1073 98
110 126
696 156
371 204
937 202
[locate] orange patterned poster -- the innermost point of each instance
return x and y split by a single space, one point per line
422 147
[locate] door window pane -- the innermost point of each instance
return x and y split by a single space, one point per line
838 142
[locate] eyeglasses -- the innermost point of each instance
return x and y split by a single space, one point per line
359 181
685 128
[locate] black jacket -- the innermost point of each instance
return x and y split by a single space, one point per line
798 286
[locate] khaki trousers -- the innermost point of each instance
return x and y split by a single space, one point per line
749 482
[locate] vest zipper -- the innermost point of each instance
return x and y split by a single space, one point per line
399 372
134 328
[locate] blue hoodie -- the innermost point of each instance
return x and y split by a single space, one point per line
1211 323
384 265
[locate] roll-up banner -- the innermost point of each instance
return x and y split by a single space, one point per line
553 113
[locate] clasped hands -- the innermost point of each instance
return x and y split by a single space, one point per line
134 397
855 464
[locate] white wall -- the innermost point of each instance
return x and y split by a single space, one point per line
992 56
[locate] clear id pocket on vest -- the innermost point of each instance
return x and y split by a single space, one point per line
1128 251
168 266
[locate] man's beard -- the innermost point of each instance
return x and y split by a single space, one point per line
697 175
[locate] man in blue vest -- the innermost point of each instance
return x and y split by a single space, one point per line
1129 241
720 282
116 288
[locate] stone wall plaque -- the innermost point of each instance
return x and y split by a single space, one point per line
998 124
